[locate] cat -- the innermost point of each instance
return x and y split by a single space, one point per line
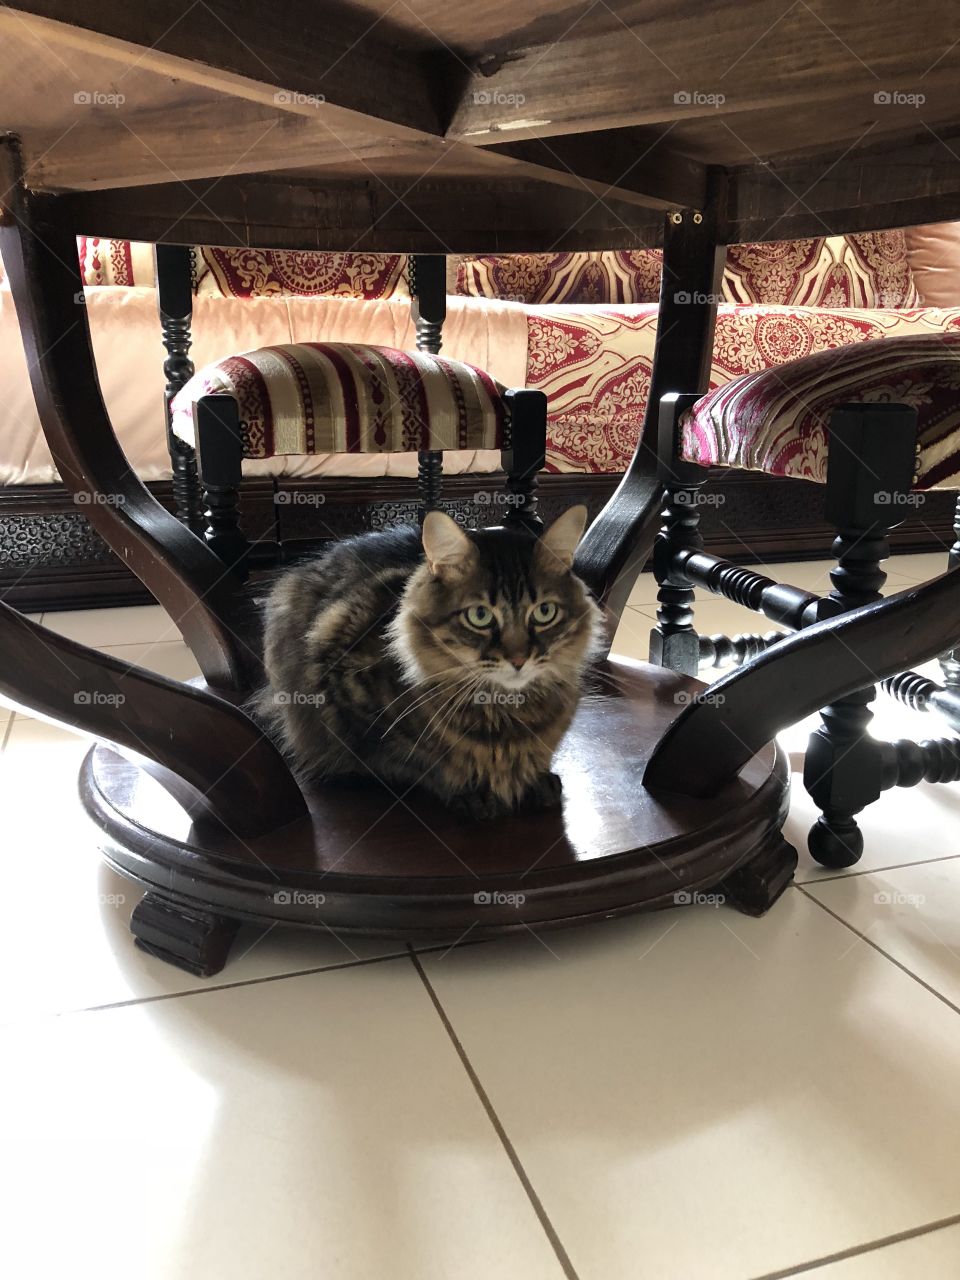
439 658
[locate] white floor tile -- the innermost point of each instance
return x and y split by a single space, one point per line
134 624
932 1256
911 913
68 945
320 1126
695 1094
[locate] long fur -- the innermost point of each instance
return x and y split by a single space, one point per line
372 668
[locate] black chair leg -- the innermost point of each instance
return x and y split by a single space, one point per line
220 448
428 298
950 662
674 642
175 304
870 471
525 458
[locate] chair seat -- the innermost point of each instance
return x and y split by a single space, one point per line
776 421
339 397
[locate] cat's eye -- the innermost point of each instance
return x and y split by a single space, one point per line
479 616
544 613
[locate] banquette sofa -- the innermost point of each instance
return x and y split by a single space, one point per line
579 327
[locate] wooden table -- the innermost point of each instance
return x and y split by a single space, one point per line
438 128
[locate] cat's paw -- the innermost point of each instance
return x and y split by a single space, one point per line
479 805
546 792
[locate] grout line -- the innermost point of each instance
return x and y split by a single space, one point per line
858 1250
869 871
7 730
220 986
880 951
494 1119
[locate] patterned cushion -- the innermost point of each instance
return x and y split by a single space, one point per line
777 420
593 363
123 262
535 278
259 273
867 270
338 397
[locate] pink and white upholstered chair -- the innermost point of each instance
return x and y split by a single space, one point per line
878 424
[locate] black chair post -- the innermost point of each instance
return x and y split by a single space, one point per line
674 642
870 475
950 662
525 456
220 446
428 303
175 304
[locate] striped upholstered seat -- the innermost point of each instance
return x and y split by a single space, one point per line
338 397
776 421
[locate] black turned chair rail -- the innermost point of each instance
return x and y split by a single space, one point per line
175 305
428 297
813 668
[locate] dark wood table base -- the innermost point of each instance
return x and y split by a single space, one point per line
372 862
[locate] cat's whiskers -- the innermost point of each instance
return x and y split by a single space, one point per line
443 687
464 689
407 689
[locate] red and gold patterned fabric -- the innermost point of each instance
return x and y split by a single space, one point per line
260 273
340 397
122 262
537 278
867 270
594 365
777 420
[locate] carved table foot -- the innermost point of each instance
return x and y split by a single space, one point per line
756 885
187 937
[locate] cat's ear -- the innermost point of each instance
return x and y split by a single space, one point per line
558 543
450 553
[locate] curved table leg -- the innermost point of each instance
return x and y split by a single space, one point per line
711 740
184 575
207 752
620 540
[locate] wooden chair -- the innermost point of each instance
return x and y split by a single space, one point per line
175 275
831 418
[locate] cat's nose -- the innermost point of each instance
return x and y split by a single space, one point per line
517 660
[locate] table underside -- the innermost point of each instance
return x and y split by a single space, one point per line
440 128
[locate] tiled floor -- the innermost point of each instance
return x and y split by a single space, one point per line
686 1096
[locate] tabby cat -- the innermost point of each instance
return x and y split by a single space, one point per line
453 662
